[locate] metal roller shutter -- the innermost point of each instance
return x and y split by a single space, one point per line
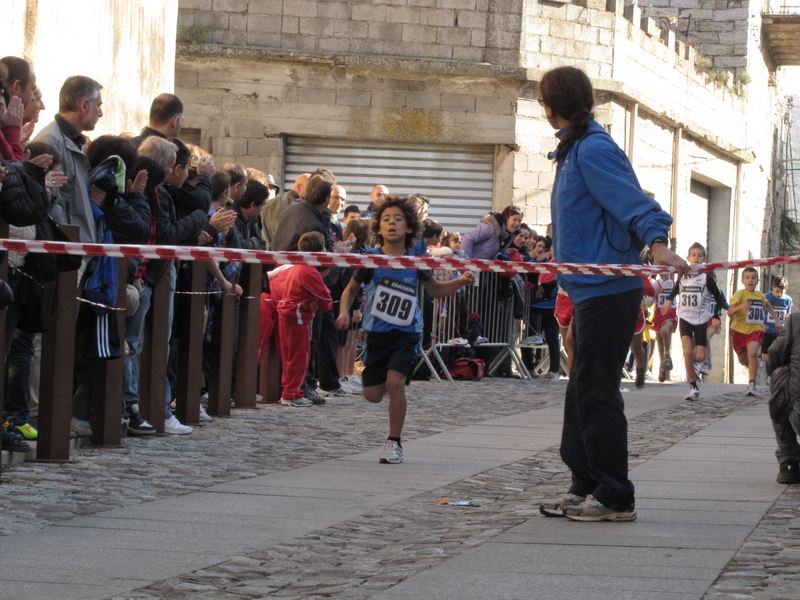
457 179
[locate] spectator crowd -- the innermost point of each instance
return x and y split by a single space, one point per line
153 188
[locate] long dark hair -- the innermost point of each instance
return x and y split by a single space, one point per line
109 145
567 91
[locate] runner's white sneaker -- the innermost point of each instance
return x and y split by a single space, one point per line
751 389
693 394
392 453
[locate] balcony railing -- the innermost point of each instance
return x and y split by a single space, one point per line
782 7
781 28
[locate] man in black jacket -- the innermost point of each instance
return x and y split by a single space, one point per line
310 213
166 119
306 214
174 230
784 403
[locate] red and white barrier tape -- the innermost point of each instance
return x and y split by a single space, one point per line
325 259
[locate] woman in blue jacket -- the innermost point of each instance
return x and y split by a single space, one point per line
600 215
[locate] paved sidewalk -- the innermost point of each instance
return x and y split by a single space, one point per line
291 503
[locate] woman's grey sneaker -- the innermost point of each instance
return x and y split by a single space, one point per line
298 403
594 510
555 507
751 389
392 453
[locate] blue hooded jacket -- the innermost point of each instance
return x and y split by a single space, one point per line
597 209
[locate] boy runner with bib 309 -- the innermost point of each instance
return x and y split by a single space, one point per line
392 316
748 309
693 314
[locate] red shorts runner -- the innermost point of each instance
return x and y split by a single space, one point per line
563 312
740 340
660 320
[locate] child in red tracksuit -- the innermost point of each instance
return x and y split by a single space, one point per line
303 293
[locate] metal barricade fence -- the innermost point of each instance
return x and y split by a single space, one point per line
490 297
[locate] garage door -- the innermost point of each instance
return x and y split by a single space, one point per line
457 179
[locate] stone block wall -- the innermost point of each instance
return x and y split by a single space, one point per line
460 30
244 107
131 51
717 29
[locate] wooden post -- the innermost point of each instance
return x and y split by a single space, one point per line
249 313
58 363
269 374
154 356
221 364
189 310
107 377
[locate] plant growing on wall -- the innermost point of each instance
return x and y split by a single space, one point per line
740 83
790 235
195 34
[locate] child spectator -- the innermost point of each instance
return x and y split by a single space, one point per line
782 304
350 213
693 312
748 308
359 229
392 318
304 293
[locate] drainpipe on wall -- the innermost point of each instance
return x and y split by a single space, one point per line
673 201
633 114
734 255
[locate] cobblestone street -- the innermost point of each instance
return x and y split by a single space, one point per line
380 547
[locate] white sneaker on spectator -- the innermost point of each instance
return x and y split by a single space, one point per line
204 399
173 426
204 416
533 340
320 392
356 382
481 340
344 383
459 341
550 376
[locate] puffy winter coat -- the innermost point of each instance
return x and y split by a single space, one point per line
783 364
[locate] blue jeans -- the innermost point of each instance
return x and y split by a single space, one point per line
173 279
134 339
18 360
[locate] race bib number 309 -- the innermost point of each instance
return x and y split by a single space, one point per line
395 302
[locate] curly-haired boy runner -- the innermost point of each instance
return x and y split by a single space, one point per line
392 317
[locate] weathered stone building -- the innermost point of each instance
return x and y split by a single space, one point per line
439 96
126 45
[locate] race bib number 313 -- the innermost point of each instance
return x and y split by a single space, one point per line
395 302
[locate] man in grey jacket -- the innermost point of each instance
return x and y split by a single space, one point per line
79 109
